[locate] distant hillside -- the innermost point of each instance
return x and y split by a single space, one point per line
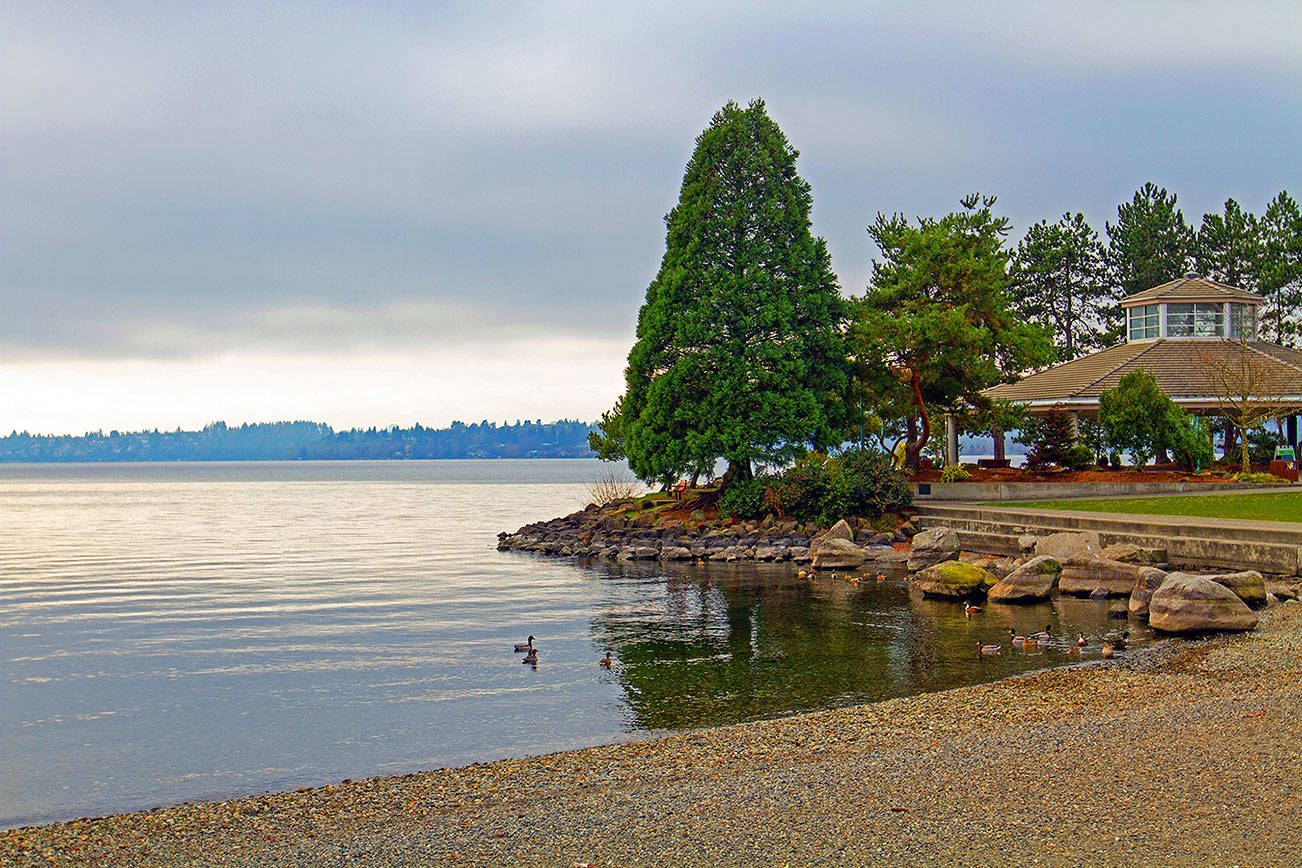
271 441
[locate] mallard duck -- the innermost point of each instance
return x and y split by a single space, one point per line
881 577
1120 642
1073 651
970 610
1082 641
521 647
988 650
1108 650
1015 639
531 657
1042 636
604 662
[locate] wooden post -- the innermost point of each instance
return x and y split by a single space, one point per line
998 434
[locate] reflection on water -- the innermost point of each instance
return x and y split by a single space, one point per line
172 632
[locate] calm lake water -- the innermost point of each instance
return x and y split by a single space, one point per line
182 631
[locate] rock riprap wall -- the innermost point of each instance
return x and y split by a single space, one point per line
607 532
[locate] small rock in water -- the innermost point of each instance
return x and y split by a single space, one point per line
1119 610
1099 594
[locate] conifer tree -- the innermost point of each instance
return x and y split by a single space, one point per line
1150 242
738 351
1059 280
1281 272
1229 247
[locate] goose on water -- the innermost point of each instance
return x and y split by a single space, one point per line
521 647
531 657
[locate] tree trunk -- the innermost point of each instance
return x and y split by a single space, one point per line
738 471
914 450
1243 449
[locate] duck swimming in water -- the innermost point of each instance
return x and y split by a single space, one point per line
1014 638
988 650
970 610
604 662
1042 636
521 647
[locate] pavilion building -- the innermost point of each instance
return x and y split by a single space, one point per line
1170 331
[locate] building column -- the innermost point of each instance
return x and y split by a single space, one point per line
951 439
1292 431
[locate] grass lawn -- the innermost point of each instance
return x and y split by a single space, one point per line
1255 506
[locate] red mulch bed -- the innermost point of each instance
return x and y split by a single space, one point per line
1018 474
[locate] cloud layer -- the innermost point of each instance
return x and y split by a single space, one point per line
187 183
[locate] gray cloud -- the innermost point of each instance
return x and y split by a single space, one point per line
185 179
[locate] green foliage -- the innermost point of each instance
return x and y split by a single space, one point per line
821 489
608 440
1134 414
1229 247
1052 444
1059 280
1262 441
1189 439
955 473
1257 478
1150 242
1281 271
934 327
738 351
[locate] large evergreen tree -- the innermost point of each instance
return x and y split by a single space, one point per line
1281 272
1229 247
1059 280
1150 242
935 327
738 351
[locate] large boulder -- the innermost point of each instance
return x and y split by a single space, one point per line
1150 579
772 553
1248 586
1068 545
1033 580
1192 604
934 546
840 530
954 579
1129 553
675 553
835 554
1083 576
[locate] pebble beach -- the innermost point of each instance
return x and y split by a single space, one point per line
1186 754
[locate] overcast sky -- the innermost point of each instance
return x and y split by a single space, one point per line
400 212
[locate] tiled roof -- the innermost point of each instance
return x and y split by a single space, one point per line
1192 288
1176 365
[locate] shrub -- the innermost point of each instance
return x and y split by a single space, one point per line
744 498
1257 478
610 487
955 473
1188 439
1053 443
1134 415
873 484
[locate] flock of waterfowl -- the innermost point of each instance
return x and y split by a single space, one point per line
1108 648
531 654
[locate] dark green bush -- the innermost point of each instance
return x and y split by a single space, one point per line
874 485
1188 439
1052 444
744 498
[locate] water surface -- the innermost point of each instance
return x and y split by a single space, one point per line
184 631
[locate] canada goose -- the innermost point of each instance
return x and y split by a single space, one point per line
1042 636
531 657
604 662
521 647
970 610
1082 641
988 650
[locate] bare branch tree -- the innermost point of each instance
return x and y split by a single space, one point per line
1250 386
611 486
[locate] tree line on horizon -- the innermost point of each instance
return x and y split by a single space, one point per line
746 350
278 441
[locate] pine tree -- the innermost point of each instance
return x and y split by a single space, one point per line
738 351
1280 280
1229 247
935 327
1059 280
1150 242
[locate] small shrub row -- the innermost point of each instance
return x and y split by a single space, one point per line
822 489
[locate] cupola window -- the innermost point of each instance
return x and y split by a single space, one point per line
1202 319
1243 321
1145 322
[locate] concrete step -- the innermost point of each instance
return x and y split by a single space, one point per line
1191 543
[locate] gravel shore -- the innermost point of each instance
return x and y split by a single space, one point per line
1189 756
